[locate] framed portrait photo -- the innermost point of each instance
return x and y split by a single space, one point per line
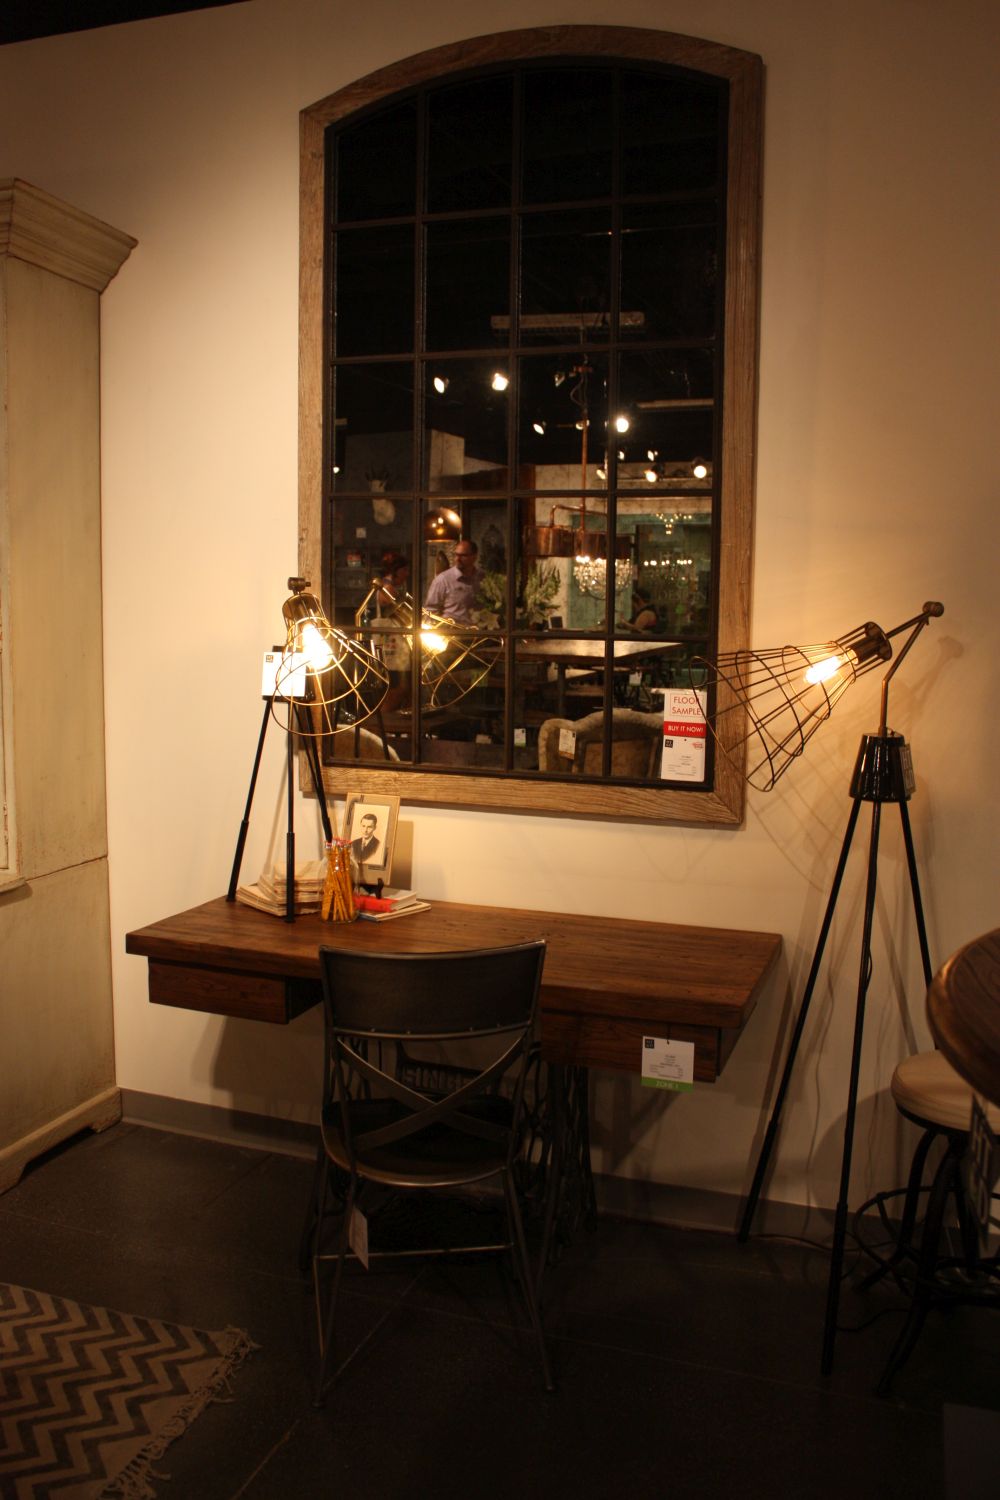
370 825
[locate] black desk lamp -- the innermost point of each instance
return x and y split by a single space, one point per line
786 694
318 674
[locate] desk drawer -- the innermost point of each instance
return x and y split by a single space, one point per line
615 1044
228 992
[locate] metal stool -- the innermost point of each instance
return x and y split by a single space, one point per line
928 1091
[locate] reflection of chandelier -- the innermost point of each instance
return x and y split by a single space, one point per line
591 574
453 660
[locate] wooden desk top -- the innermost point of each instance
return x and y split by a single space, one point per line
605 979
963 1007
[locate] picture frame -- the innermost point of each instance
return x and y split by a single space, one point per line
378 838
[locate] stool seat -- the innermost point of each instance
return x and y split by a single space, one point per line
927 1087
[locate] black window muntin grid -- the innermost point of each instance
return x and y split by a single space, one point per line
417 495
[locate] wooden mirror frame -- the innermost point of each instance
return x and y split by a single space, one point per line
724 804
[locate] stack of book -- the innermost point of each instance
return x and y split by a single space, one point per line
271 890
393 902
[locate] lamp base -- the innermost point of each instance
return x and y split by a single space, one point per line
883 771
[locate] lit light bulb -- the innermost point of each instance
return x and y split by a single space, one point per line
500 381
538 427
440 384
433 642
822 671
699 470
651 475
316 649
601 472
622 424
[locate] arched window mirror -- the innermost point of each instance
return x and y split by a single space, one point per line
529 334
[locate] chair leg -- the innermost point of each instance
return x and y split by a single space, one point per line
312 1228
923 1289
911 1202
324 1325
522 1266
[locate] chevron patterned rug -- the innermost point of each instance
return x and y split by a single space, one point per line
90 1398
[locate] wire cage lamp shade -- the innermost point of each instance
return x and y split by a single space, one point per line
335 678
453 660
786 693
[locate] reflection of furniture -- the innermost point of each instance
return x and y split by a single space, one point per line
928 1091
608 982
963 1007
576 656
448 1132
357 744
635 744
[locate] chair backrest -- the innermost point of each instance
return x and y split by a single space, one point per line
636 741
408 997
432 995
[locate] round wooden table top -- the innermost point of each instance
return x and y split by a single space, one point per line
963 1007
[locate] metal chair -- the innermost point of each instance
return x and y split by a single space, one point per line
927 1091
454 1128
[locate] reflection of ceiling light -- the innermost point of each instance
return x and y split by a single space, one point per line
601 472
440 384
500 381
622 424
559 377
336 468
651 475
538 427
699 469
651 455
442 524
621 453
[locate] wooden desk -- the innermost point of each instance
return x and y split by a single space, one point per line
606 983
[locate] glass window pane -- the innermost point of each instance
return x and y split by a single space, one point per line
672 548
565 276
670 271
373 416
374 171
468 284
465 421
469 145
671 134
563 421
374 291
567 134
670 437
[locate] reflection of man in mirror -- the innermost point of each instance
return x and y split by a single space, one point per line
453 592
366 847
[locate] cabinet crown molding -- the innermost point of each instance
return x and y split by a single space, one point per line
45 232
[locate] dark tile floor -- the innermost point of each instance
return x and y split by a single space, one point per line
686 1363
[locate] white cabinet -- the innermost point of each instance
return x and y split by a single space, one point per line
56 1025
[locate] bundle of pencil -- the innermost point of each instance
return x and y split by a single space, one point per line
338 888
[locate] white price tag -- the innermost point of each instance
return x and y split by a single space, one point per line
667 1064
683 735
357 1236
567 742
520 736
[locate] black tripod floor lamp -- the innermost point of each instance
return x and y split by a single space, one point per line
786 694
307 683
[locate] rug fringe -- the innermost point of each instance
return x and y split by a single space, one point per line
133 1483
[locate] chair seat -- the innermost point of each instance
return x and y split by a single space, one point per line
927 1088
438 1156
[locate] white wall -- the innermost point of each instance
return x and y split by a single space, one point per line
877 489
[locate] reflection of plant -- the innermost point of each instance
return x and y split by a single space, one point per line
537 601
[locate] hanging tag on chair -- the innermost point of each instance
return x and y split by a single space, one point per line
357 1235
